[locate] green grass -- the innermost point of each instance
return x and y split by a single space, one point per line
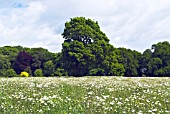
85 95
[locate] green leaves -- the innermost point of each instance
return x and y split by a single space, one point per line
83 30
49 68
130 61
86 49
38 73
156 62
154 65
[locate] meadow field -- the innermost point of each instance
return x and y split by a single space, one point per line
85 95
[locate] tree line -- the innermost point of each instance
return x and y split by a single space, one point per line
86 51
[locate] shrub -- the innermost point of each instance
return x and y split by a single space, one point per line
2 72
96 72
24 74
38 73
49 68
60 72
11 73
28 70
57 73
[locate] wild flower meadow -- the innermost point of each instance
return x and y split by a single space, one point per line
85 95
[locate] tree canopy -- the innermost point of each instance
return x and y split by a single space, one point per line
86 51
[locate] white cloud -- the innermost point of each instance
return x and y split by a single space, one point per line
21 26
128 23
144 23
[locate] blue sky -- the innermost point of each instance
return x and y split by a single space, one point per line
134 24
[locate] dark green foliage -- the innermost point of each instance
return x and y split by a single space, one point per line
39 57
38 73
11 73
60 72
86 50
28 70
144 60
162 51
4 64
76 58
157 61
153 66
96 72
2 72
165 71
24 59
23 62
49 68
130 61
83 30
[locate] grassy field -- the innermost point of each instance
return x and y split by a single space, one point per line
85 95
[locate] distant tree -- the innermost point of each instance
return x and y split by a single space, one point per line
39 57
130 60
96 72
87 48
28 70
38 73
162 50
60 72
156 61
49 68
11 53
4 64
165 71
144 60
23 61
153 66
147 53
11 73
76 58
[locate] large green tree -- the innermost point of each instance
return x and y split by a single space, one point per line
156 61
154 67
22 62
130 61
39 57
86 50
4 64
144 61
162 51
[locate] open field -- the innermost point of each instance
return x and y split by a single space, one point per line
86 95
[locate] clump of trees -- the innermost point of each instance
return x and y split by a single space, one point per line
86 51
35 61
156 61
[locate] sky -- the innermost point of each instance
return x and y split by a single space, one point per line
134 24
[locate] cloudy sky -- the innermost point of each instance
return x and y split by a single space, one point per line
134 24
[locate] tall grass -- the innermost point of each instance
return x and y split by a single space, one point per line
85 95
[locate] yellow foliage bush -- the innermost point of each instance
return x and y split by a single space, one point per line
24 74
